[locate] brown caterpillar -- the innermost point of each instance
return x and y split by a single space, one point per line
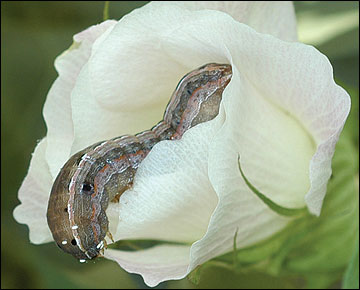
102 172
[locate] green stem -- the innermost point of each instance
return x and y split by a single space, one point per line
235 249
106 11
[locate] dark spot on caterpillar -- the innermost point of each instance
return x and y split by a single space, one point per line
73 242
65 209
132 148
87 187
175 122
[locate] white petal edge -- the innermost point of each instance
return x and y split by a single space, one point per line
320 166
33 195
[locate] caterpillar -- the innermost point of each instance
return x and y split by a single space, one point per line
100 173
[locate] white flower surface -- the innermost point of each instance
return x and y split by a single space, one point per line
282 113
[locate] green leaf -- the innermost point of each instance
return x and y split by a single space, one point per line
351 278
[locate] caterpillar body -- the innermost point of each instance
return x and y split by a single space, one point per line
100 173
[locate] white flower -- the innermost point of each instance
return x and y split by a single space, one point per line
282 113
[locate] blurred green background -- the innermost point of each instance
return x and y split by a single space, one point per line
33 33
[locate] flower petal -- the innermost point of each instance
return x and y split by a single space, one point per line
172 198
276 18
33 195
156 264
57 108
